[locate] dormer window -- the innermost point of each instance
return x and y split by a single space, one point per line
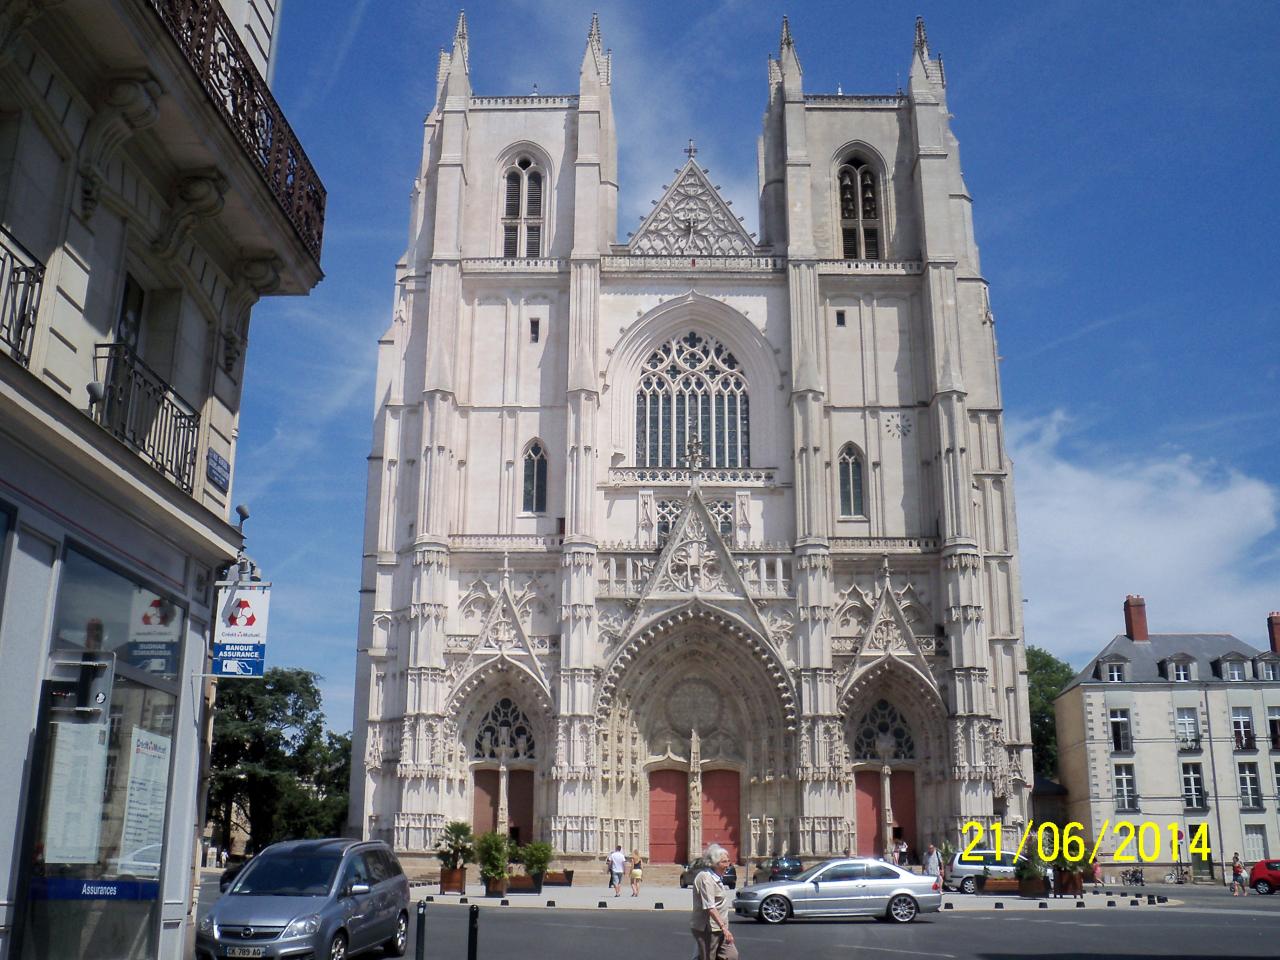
522 219
860 229
1115 673
1233 670
1181 672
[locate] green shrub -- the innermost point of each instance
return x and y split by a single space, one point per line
536 857
456 848
493 853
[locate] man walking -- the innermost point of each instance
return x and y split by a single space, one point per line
617 864
710 921
933 863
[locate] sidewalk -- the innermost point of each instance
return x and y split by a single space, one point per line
673 898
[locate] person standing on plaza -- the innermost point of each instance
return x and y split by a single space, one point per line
933 863
1238 886
617 865
637 872
710 921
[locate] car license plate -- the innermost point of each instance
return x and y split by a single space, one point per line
243 951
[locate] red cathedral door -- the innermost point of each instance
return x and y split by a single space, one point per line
721 810
869 813
668 816
484 810
520 805
902 798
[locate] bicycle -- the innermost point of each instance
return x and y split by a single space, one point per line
1133 877
1176 875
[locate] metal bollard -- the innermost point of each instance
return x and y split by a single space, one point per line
473 931
420 951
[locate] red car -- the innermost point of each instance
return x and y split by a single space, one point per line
1265 876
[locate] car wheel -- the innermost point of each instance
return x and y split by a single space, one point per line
774 909
338 947
902 909
1262 886
397 945
969 885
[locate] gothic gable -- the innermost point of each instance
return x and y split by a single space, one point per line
502 635
888 630
692 219
695 564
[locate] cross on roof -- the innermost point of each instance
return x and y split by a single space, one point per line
691 151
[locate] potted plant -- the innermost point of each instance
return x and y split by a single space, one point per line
536 857
455 850
493 853
1068 877
1032 880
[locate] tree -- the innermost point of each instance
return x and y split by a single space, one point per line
273 762
1047 676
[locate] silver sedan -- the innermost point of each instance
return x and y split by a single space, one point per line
843 888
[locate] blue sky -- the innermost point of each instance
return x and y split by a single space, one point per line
1122 160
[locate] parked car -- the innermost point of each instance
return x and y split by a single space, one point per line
321 899
228 876
843 888
963 871
1265 876
776 868
730 878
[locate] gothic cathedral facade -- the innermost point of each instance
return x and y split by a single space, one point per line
697 537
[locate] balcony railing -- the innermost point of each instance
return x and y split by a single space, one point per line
1188 742
21 277
1275 741
1195 801
1121 742
146 413
1127 804
211 45
1246 741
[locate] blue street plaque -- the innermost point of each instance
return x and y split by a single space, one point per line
218 471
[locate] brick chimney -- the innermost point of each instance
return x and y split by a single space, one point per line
1273 630
1135 618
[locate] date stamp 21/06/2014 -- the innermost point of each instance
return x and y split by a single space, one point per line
1145 842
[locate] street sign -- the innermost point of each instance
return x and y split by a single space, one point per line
240 636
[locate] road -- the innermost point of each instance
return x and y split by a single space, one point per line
1211 924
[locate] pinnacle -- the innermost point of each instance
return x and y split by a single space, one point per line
594 33
460 32
786 40
922 39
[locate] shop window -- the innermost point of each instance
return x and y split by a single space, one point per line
105 747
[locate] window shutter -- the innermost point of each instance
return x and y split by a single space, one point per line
509 248
513 195
533 240
533 202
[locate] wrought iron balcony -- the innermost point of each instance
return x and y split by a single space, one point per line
21 278
215 52
139 408
1246 740
1188 742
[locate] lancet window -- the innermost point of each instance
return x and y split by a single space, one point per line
884 734
504 728
535 478
860 228
852 500
692 390
522 219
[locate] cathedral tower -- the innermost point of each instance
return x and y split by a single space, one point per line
695 537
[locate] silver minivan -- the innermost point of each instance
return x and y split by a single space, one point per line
321 899
963 871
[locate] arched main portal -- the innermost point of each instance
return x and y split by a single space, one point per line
895 725
695 740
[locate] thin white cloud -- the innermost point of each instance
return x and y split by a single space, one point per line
1190 536
317 92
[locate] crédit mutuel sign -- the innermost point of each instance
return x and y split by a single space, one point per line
240 637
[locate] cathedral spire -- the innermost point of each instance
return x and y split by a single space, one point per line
788 59
926 69
460 41
922 39
596 56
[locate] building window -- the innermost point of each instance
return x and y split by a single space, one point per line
1126 786
1182 672
1193 786
1242 728
692 397
884 735
1276 773
859 210
852 502
535 478
535 330
1270 670
1250 787
1121 736
1233 670
839 318
504 728
1188 729
1115 672
522 210
1273 727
